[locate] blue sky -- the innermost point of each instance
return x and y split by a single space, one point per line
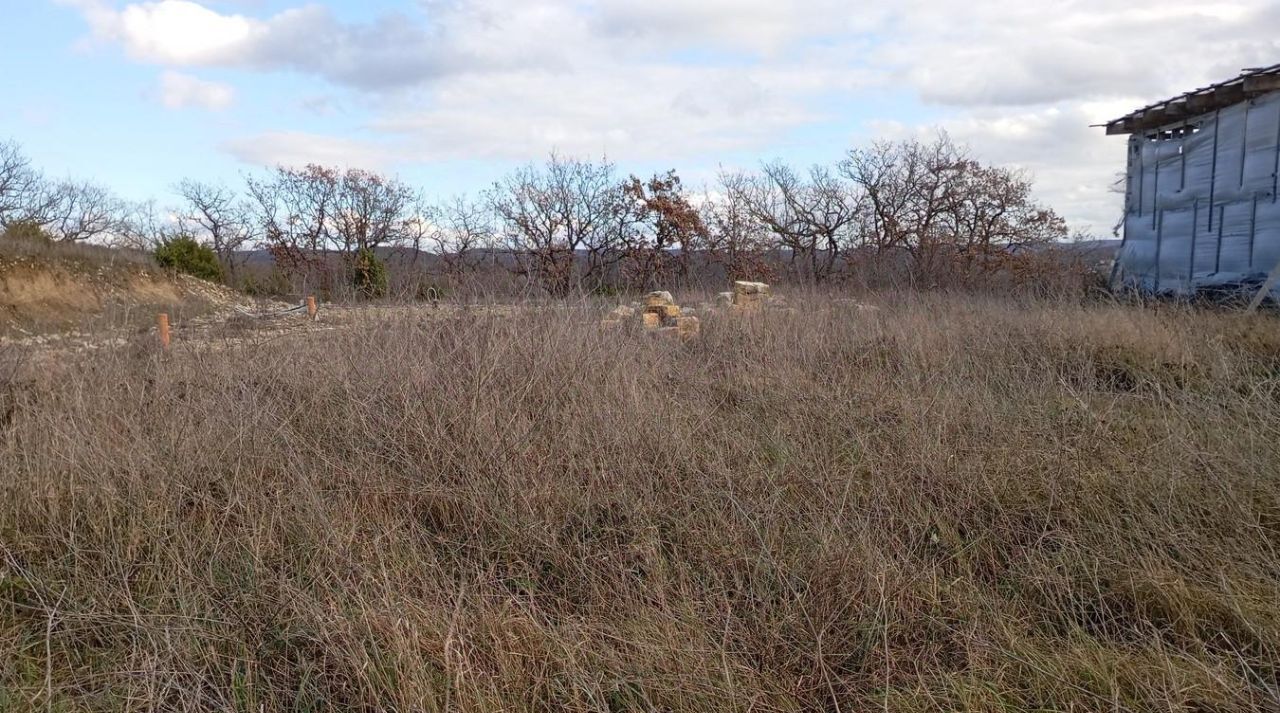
450 94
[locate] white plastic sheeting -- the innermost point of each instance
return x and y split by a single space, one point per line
1201 208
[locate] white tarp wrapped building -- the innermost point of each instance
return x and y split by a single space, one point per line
1201 210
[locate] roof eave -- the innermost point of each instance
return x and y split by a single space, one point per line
1198 102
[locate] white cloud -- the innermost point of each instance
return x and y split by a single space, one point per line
1009 52
981 52
180 32
295 148
170 32
392 51
630 113
758 26
653 113
181 91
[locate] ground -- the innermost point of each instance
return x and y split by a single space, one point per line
948 503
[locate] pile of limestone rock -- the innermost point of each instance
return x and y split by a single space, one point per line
658 313
747 296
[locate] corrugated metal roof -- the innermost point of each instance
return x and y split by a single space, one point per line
1250 83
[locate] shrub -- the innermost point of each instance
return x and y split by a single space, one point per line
27 231
370 275
186 254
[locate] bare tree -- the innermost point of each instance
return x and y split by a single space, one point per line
321 209
218 214
371 210
925 207
464 230
909 186
304 216
27 197
561 221
993 207
735 239
814 218
290 210
936 203
66 210
20 185
79 210
143 226
294 207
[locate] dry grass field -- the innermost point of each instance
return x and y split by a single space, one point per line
950 504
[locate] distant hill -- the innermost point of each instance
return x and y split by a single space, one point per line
1099 249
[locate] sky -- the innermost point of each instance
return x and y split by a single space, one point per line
452 94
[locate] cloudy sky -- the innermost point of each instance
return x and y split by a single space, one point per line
452 93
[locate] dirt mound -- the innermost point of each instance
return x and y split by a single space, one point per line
43 293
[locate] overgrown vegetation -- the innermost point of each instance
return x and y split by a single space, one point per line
369 274
184 254
26 232
23 240
889 215
952 504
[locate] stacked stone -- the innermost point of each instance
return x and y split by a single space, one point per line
660 313
745 296
660 310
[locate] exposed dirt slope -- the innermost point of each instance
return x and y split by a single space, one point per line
41 294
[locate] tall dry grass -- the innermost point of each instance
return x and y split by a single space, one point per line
17 245
950 504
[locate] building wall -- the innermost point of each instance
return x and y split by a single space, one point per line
1201 209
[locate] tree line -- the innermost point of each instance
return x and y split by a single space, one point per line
922 211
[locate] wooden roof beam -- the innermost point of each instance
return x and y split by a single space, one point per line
1229 94
1261 84
1120 126
1200 102
1149 119
1176 108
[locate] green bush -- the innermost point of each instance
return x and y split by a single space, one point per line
186 254
370 275
27 231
